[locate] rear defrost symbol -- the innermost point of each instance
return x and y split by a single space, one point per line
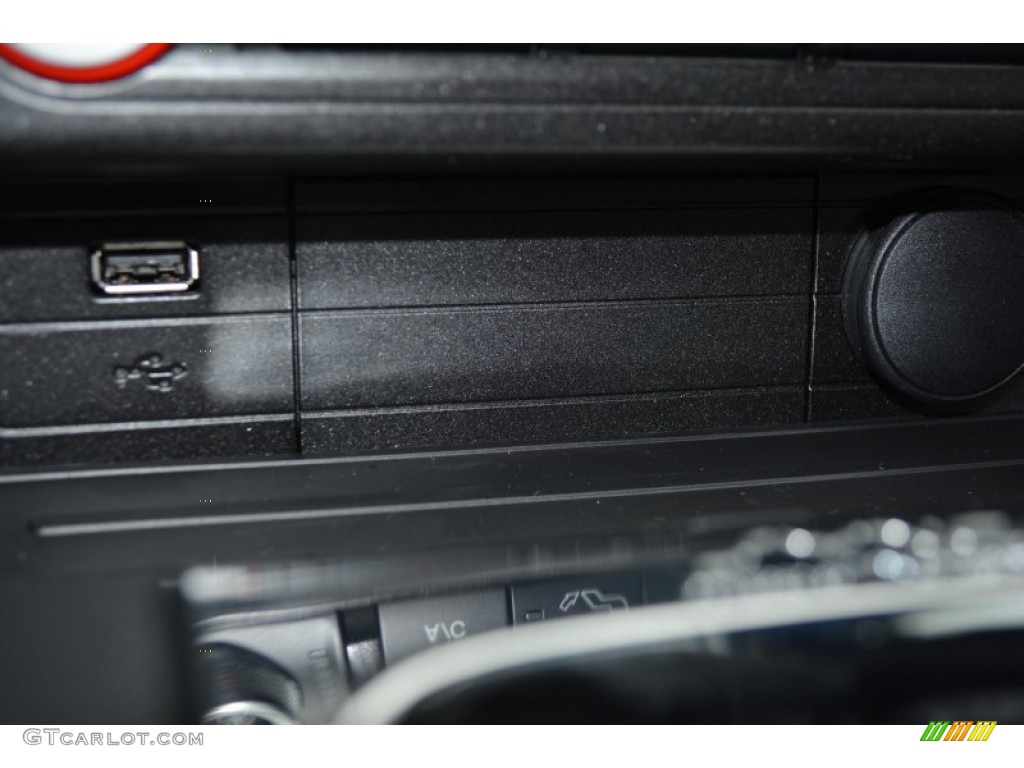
594 599
153 372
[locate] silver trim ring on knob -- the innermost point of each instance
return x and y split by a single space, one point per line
236 712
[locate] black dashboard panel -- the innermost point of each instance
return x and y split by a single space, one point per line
341 335
435 313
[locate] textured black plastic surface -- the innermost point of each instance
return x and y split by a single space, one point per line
442 356
835 361
68 373
356 430
371 194
197 196
154 441
410 260
108 501
932 301
491 311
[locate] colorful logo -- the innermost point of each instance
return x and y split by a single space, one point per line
960 730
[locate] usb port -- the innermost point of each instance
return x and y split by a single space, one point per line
120 269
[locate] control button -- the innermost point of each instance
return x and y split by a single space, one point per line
932 301
272 673
415 625
364 660
603 593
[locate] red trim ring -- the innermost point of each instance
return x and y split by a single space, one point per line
146 54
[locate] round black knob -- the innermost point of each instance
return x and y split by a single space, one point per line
933 300
240 687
